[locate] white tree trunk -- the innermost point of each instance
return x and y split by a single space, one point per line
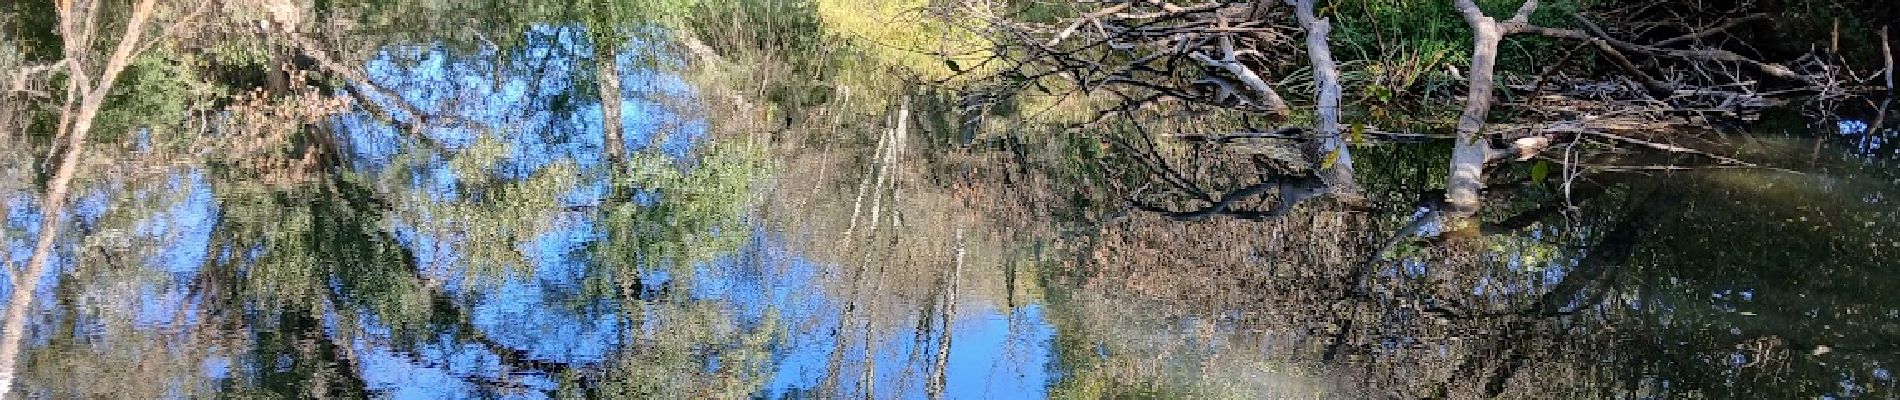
1328 145
1473 148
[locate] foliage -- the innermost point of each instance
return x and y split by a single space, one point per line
695 350
932 41
1400 51
155 93
682 215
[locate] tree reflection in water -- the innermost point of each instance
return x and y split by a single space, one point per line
444 220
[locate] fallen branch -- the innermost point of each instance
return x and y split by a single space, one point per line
1299 134
1335 167
1292 191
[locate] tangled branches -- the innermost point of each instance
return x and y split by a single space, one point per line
1222 57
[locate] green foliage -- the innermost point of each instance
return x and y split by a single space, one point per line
492 216
1370 28
696 212
673 358
155 92
32 27
912 36
1396 53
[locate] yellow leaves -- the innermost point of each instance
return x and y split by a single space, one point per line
1332 157
907 34
1357 135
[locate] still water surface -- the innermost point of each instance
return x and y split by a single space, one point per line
883 259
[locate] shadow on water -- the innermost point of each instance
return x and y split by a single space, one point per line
866 250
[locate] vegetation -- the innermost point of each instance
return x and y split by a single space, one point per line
762 198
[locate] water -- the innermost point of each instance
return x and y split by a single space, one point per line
851 244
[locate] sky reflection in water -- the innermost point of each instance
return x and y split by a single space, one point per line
541 114
540 109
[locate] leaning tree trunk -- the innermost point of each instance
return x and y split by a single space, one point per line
1328 148
607 41
1473 148
93 97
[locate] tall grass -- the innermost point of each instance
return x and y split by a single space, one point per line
1398 56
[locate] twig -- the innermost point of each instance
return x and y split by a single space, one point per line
1297 134
1668 147
1730 24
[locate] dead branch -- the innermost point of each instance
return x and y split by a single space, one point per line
1208 56
1292 191
1472 150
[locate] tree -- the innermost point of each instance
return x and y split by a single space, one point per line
90 79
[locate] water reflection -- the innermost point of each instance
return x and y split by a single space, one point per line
478 244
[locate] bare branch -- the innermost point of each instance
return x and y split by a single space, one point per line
1704 33
1273 101
1292 192
1524 11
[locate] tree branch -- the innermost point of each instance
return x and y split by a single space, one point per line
1292 191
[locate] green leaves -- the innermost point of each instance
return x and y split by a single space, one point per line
1540 170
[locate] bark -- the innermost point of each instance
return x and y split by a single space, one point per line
1268 97
608 74
607 70
1329 146
53 205
1468 156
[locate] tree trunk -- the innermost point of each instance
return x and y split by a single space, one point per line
1473 149
1329 149
53 205
607 70
940 365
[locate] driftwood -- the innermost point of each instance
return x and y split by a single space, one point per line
1330 145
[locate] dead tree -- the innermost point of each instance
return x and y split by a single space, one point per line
1472 150
1679 75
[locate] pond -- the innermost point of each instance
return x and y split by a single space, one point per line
466 233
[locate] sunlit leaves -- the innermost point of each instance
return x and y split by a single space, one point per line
911 34
1331 158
